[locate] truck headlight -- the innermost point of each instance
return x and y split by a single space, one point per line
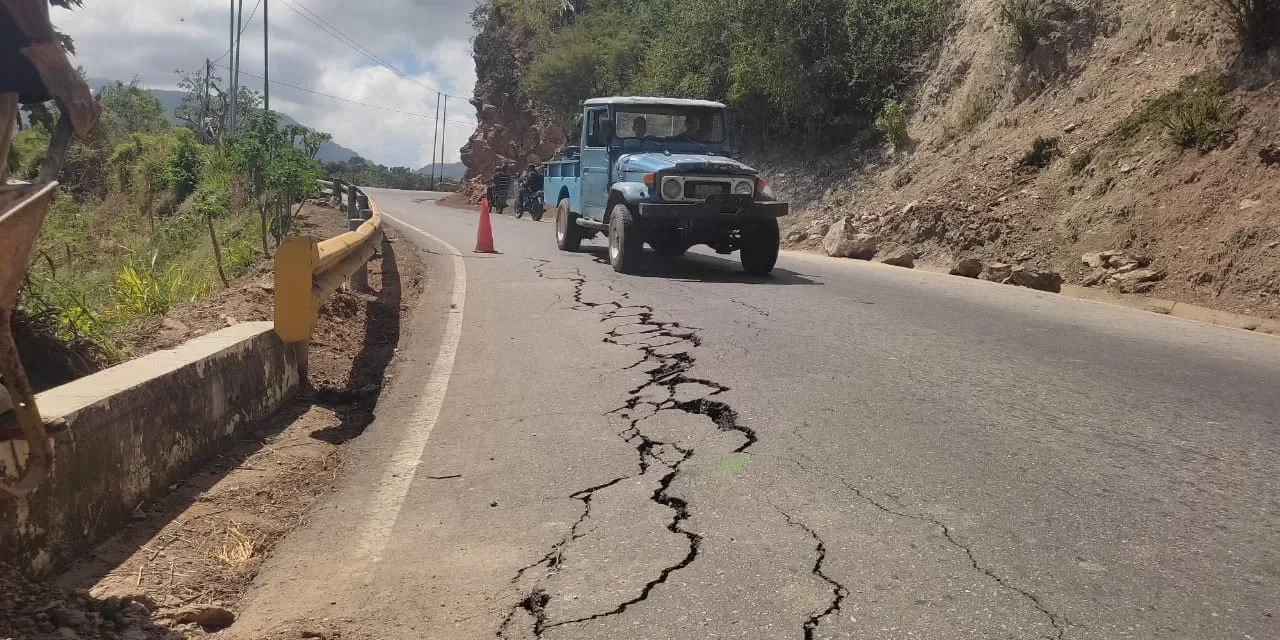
672 189
744 188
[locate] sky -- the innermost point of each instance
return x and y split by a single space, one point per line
428 40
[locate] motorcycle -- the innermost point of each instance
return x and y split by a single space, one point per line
497 195
530 201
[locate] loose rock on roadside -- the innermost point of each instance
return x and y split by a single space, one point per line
967 268
844 241
897 255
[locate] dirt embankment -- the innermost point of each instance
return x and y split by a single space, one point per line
1110 87
180 568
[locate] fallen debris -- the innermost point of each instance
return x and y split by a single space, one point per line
1037 278
967 268
897 255
34 611
999 272
844 241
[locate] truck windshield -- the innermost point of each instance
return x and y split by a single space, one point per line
695 124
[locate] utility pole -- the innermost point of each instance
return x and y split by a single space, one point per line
229 114
204 101
235 69
266 64
435 137
444 134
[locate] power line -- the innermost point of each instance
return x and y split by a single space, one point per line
242 30
363 104
350 42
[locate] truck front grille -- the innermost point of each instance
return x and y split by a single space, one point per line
700 189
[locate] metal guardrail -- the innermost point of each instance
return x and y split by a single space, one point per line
307 271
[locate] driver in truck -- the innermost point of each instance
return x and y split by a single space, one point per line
639 127
692 128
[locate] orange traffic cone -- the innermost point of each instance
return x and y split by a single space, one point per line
484 234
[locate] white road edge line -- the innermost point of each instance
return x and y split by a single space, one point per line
388 498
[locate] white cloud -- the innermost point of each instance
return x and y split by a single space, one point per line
430 39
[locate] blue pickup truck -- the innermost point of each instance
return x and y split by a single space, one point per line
659 171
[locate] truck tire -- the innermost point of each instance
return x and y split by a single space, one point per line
568 233
625 243
760 242
667 242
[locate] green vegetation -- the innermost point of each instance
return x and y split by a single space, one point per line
1256 23
892 123
1043 150
1080 160
359 171
133 231
1196 115
812 72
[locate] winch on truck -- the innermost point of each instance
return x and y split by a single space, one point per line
659 171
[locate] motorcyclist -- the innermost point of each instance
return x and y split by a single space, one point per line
499 188
531 184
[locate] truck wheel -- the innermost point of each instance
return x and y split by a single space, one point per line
668 243
568 233
625 243
760 241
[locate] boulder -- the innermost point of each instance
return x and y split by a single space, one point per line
1094 260
819 229
999 271
1036 278
968 268
898 256
1136 276
1095 277
797 236
844 241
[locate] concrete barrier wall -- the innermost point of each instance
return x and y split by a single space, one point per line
134 430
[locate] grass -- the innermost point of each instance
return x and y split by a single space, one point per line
1196 115
100 269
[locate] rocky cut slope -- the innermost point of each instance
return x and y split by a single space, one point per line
511 130
1124 144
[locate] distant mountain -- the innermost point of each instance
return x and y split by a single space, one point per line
329 151
453 170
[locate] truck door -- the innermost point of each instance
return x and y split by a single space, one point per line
595 163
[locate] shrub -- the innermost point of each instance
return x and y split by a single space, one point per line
188 160
1256 23
1080 160
892 123
1027 26
1041 154
1196 115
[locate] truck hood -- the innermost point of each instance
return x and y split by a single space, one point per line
682 162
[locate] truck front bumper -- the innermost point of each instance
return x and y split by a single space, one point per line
716 207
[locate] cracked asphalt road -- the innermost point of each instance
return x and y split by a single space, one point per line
843 450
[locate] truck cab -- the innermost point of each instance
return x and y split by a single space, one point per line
659 171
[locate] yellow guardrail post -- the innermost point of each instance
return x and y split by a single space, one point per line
308 271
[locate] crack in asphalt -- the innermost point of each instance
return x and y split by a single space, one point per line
838 591
668 372
1060 622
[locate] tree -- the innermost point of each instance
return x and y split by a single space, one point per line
128 109
278 172
205 112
